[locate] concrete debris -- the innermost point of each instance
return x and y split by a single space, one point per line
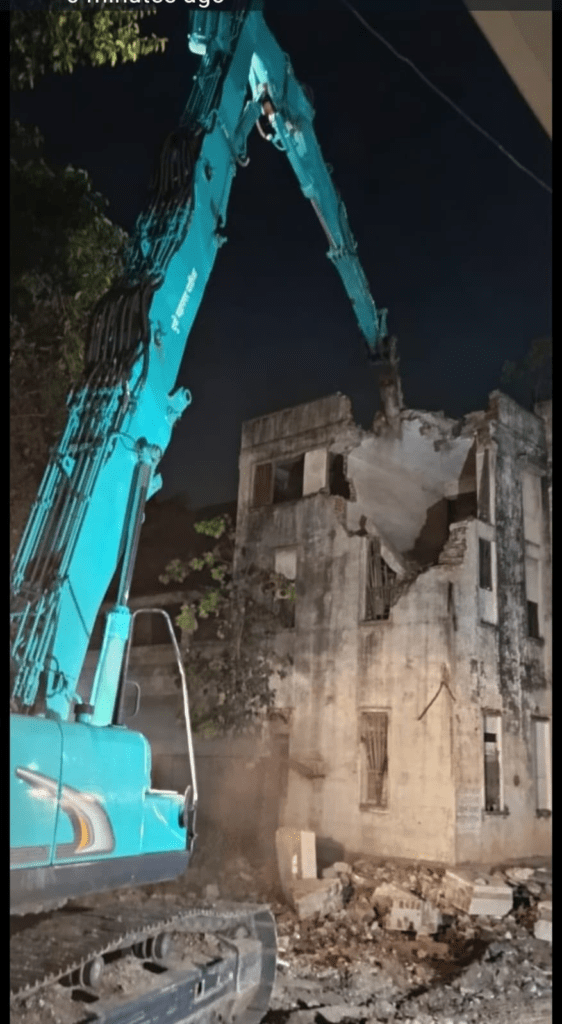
402 911
477 977
302 1017
517 875
477 897
339 868
543 925
321 896
336 1014
211 891
471 966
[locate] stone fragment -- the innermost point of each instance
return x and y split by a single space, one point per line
534 888
402 911
211 892
311 896
301 1017
368 983
474 898
334 870
336 1014
543 926
384 1010
476 978
518 875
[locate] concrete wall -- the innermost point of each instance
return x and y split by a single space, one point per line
450 650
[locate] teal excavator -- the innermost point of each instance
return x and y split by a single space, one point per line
84 817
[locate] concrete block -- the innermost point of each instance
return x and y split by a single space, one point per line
299 849
477 897
457 890
543 930
311 896
519 875
405 912
543 927
493 901
431 919
296 856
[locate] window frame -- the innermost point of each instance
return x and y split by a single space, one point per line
485 545
497 723
382 753
543 720
386 590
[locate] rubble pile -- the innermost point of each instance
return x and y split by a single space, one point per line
394 942
395 946
400 948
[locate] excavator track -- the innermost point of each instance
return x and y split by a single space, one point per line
222 967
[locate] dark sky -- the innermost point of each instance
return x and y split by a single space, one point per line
453 238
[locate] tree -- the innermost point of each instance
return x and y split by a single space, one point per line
63 38
64 254
533 372
230 686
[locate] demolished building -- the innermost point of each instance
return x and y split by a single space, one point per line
417 708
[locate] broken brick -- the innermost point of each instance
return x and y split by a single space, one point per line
405 912
311 896
477 897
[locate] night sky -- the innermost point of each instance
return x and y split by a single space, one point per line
453 238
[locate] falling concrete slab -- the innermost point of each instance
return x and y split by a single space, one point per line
310 896
477 897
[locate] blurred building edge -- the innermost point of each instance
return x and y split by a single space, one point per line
522 40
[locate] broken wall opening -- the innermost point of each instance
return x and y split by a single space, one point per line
310 472
338 482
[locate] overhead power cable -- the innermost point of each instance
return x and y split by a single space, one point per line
447 99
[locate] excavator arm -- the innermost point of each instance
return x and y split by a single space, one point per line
84 815
85 522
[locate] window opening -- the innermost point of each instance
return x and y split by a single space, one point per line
338 483
288 480
543 784
263 480
374 743
286 567
484 489
381 584
492 779
532 594
485 552
462 507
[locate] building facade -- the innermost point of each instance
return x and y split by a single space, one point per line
418 704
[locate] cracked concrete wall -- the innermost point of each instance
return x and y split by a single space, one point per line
448 642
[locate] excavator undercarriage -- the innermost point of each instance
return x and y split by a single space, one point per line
122 963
